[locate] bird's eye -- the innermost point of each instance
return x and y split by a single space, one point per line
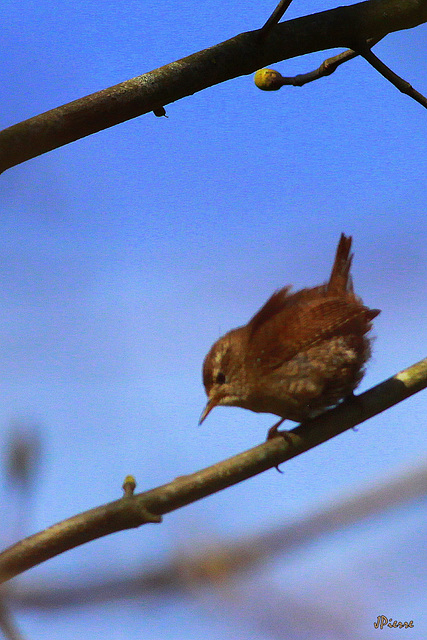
220 378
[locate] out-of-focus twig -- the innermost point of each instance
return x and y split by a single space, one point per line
23 455
7 624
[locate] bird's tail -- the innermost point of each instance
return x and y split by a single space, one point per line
340 279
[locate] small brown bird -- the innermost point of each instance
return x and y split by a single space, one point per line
300 353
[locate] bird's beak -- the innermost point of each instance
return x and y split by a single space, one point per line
211 403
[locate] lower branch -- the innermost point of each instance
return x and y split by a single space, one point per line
132 511
233 557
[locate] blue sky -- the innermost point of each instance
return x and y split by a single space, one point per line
124 255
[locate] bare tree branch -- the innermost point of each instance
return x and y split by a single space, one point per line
277 15
272 80
365 51
233 557
7 624
241 55
132 511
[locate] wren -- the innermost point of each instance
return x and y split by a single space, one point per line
299 355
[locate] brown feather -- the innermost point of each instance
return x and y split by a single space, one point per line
340 280
299 354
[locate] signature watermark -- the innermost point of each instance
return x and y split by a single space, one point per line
383 621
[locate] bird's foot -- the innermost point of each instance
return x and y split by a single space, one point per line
354 404
273 432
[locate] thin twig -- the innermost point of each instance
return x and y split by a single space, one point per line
132 511
272 80
277 15
401 84
330 65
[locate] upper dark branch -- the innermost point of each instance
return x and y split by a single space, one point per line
241 55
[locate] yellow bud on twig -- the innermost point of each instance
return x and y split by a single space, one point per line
268 79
